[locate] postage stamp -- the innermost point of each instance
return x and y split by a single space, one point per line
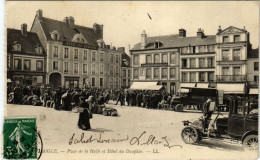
20 138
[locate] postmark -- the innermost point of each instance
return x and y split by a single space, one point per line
20 138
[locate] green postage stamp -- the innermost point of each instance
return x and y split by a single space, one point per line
20 138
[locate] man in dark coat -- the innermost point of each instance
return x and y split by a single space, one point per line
127 98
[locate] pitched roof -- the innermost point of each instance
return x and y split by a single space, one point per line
125 60
253 54
67 33
28 42
172 41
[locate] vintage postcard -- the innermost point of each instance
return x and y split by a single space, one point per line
131 80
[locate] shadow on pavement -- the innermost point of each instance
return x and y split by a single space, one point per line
221 145
100 130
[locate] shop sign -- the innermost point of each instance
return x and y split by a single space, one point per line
80 45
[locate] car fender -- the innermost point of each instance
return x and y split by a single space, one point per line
248 133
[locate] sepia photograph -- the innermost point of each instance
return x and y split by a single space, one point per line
131 80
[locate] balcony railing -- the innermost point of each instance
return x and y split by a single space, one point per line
199 67
231 78
252 83
154 65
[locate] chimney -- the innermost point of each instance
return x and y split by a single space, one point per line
182 32
200 33
98 29
71 21
219 29
143 40
121 49
39 14
66 20
24 29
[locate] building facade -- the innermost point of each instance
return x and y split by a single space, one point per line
204 61
25 58
76 55
253 70
155 59
232 46
126 70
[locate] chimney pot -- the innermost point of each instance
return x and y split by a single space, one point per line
143 40
24 29
39 14
182 32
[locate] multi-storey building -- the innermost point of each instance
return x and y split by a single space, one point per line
76 55
253 71
156 59
126 70
203 61
25 57
232 46
197 58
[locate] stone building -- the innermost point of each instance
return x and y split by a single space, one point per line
126 70
232 47
77 55
203 61
25 57
253 71
156 59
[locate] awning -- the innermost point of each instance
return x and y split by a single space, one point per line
157 87
145 86
188 84
202 85
253 91
184 90
232 88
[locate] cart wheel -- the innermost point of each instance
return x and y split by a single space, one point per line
250 143
190 135
179 108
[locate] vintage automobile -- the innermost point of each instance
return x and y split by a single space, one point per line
195 96
240 124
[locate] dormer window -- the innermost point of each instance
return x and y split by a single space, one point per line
79 38
55 35
158 44
17 47
38 49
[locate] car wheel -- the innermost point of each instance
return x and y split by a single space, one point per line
250 143
179 107
190 135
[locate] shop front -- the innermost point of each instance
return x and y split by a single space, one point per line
71 82
27 78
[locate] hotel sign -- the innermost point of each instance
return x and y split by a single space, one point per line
154 65
80 45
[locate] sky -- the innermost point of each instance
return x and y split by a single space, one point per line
124 21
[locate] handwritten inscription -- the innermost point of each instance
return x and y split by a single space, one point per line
142 139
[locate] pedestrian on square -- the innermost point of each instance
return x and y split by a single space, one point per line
83 122
127 98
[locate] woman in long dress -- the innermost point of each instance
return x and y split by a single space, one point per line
83 122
